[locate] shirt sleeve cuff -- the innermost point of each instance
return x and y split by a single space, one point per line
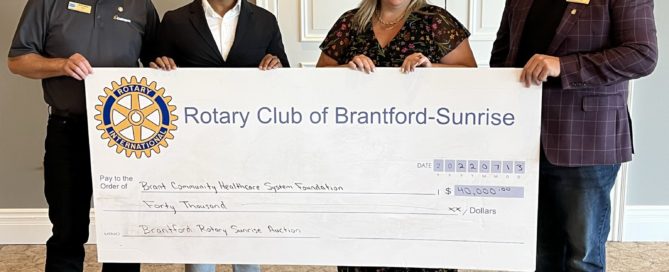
17 52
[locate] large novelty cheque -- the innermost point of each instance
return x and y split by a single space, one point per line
435 169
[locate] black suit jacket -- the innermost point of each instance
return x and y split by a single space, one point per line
185 36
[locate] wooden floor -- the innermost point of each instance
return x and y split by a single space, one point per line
622 257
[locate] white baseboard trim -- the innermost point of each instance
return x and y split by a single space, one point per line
646 224
29 227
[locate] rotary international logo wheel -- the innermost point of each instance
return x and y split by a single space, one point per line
136 117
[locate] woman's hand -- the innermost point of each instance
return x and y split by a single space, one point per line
362 63
415 60
163 63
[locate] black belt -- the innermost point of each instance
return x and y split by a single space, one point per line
65 114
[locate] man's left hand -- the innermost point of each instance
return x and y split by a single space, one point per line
539 68
270 62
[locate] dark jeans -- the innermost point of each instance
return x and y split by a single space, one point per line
68 190
574 216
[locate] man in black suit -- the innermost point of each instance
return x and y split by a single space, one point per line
220 33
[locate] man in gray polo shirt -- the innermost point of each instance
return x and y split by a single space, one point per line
58 41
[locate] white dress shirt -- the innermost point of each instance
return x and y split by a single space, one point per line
223 28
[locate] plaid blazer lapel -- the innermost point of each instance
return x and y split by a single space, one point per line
569 19
517 27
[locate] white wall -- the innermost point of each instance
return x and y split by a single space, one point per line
649 179
647 216
22 125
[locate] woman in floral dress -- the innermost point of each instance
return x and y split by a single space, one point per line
396 33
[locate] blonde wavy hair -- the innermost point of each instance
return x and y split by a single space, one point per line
368 9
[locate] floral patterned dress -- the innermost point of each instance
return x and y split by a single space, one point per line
431 31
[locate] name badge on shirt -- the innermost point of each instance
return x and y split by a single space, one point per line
585 2
79 7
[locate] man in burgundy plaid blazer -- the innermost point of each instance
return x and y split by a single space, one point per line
584 52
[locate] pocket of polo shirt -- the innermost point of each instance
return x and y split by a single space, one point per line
603 102
130 23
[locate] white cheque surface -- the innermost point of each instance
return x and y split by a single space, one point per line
437 169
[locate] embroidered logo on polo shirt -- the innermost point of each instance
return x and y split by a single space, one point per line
136 117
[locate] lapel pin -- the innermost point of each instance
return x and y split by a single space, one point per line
120 9
574 11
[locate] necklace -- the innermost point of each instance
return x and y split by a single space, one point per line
387 24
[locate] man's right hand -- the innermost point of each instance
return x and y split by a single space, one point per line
77 67
163 63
